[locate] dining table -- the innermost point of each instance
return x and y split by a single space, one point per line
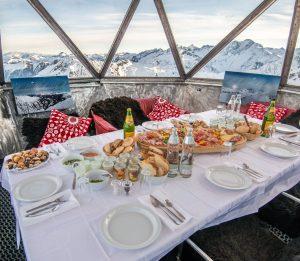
76 234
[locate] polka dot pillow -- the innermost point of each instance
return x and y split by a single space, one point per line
163 110
62 127
257 110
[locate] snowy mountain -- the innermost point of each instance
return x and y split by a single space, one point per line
245 56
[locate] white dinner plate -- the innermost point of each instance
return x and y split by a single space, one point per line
130 227
192 117
80 143
37 188
157 125
285 128
279 150
228 177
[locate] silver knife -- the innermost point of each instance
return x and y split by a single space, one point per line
42 210
288 141
170 211
44 205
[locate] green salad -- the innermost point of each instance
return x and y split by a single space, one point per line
70 162
95 180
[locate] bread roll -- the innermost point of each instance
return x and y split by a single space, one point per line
107 148
160 162
116 143
156 150
117 151
127 142
128 149
242 129
145 164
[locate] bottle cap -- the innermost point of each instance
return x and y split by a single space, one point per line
173 139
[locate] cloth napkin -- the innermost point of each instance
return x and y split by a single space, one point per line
161 195
57 147
67 195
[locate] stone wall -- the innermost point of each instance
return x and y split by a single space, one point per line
190 96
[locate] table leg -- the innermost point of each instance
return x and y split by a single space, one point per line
179 252
198 250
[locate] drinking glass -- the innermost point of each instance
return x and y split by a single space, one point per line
145 181
225 155
133 172
271 131
108 165
124 156
84 190
119 169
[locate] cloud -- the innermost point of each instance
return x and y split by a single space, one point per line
92 25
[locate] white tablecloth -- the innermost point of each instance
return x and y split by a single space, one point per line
75 235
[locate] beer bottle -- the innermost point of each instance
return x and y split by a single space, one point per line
269 119
128 127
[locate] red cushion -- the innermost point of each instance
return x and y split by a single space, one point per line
163 109
62 127
257 110
101 125
147 104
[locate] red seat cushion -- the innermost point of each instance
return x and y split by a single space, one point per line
101 125
62 127
163 110
257 110
147 104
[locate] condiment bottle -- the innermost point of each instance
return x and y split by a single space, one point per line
173 153
186 159
129 127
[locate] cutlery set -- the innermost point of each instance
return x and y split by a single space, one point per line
45 208
251 172
168 209
285 138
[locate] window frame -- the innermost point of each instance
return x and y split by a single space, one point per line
100 76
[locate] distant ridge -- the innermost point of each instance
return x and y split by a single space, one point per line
245 56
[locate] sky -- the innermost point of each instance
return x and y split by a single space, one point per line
93 24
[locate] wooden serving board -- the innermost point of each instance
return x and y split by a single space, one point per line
199 149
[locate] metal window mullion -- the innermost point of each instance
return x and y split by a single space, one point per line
291 44
119 36
229 37
2 79
170 37
40 9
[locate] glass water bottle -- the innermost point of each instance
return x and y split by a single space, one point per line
186 159
237 105
173 153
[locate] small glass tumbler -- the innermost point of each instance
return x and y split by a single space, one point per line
271 131
145 181
108 166
133 172
124 155
226 153
120 169
134 160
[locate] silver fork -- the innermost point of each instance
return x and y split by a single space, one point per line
255 173
170 205
156 205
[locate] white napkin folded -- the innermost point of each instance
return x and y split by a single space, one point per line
56 150
67 196
162 196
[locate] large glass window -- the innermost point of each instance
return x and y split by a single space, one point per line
91 24
30 47
258 49
144 50
199 25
